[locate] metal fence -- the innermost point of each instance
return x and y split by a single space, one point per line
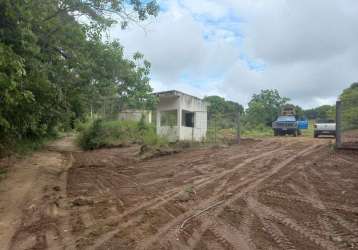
347 124
223 128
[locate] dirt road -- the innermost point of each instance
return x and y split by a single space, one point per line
282 193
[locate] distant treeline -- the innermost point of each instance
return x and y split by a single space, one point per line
264 108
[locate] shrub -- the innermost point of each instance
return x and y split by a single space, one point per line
94 136
82 125
150 137
102 133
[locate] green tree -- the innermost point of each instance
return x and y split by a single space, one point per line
223 112
349 99
54 68
321 112
299 112
264 108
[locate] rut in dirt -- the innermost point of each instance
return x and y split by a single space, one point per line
33 200
282 193
169 190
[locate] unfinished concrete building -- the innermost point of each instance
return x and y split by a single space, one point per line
181 116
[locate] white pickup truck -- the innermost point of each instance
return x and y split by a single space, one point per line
324 127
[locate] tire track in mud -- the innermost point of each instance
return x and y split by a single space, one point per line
244 190
224 234
163 199
331 219
44 221
174 193
335 232
262 211
278 236
334 226
234 238
261 178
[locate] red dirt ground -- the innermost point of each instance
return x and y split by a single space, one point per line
281 193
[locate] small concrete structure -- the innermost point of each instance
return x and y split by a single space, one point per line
181 116
135 115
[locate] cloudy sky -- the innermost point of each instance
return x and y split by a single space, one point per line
306 49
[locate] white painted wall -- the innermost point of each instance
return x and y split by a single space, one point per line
179 132
171 133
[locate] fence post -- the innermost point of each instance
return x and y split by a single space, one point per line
238 128
339 124
215 130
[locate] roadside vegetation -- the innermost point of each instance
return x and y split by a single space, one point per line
255 120
56 69
349 100
113 133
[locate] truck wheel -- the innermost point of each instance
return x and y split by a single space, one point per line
295 133
315 135
275 132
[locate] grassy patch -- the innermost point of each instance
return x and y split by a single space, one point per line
228 135
24 146
257 132
102 134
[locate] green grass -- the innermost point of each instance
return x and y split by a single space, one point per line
229 134
258 132
25 146
104 134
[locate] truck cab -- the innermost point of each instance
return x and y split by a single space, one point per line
286 124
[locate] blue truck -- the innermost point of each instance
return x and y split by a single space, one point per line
287 123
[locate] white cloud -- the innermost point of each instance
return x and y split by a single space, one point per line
309 48
208 8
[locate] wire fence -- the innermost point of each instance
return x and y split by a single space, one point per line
347 124
223 128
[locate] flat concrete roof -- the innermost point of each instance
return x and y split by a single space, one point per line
174 93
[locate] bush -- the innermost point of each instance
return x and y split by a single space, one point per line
25 145
82 125
150 137
102 134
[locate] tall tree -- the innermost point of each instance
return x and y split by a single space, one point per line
53 66
223 112
265 107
